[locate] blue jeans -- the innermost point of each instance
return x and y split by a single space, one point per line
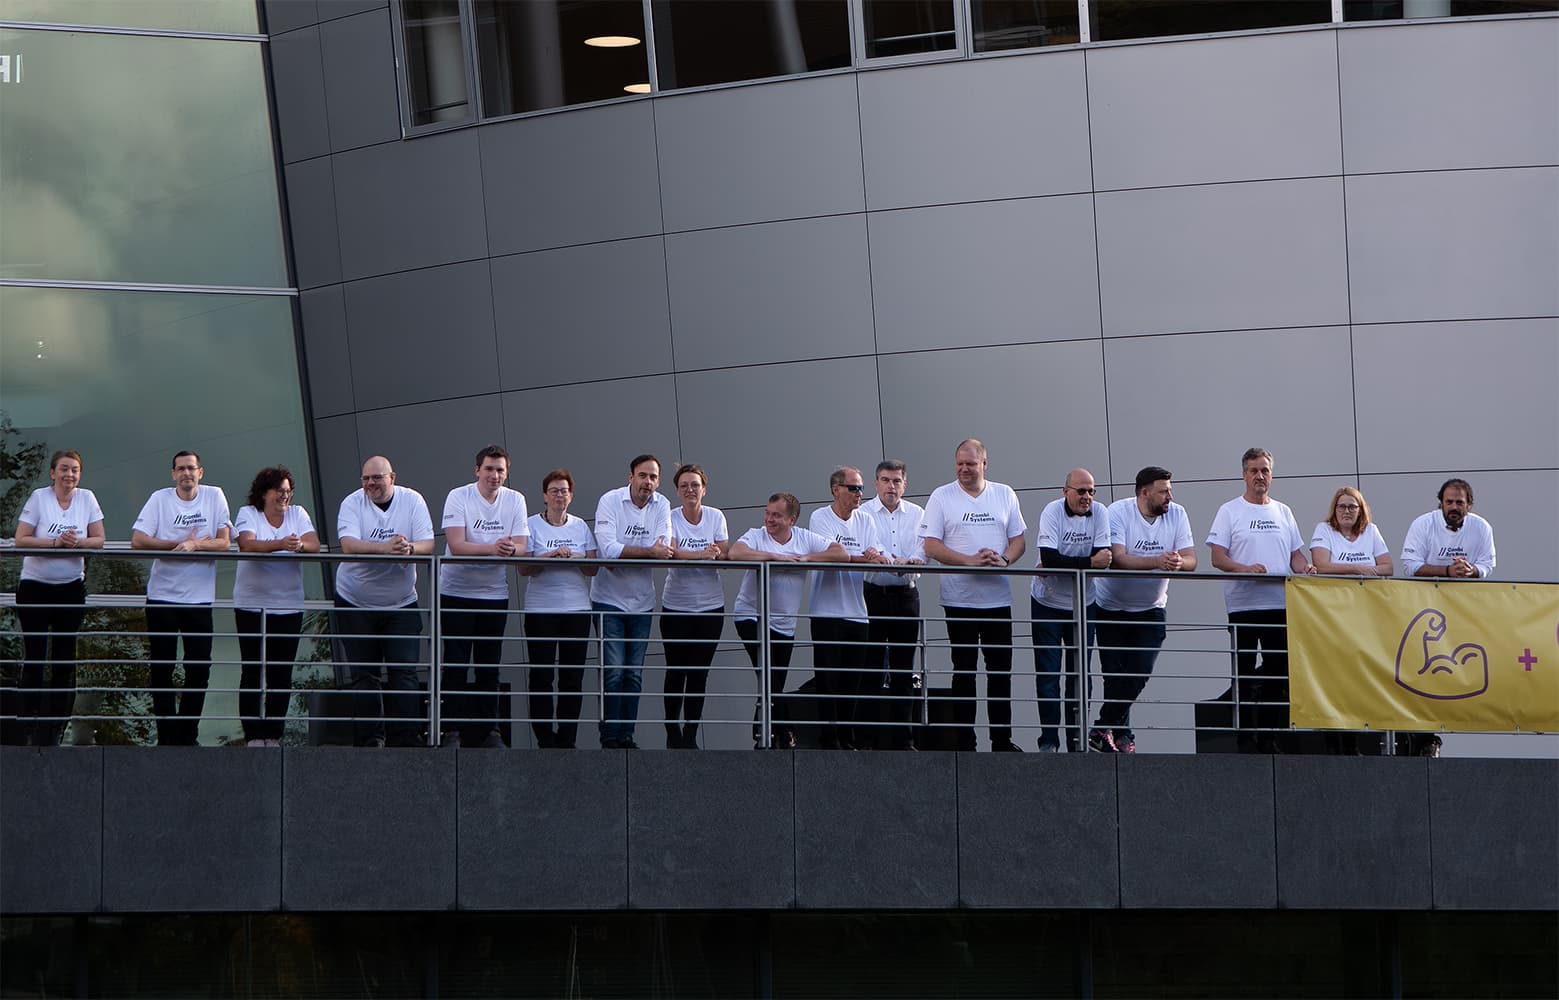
369 637
1052 630
623 651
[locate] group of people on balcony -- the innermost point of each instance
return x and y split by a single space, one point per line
865 611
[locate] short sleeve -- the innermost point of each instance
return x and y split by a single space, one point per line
455 509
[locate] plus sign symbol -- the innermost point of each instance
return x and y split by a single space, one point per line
1527 659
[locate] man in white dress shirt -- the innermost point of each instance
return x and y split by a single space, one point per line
893 603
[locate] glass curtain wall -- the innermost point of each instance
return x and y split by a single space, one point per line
145 302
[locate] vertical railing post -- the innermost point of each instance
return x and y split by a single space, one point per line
435 657
765 677
1080 613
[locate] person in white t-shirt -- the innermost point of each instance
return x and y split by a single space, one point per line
268 601
841 630
557 613
1148 531
692 606
1347 543
779 540
51 596
481 518
1074 533
893 602
376 619
183 518
1254 533
973 522
631 522
1451 542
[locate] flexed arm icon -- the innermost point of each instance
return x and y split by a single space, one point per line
1463 673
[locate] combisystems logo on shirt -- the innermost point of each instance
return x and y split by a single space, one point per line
189 520
1263 524
978 517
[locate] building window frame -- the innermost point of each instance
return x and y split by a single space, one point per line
474 112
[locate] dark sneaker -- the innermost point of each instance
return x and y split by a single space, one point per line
611 745
1005 746
1126 742
494 741
450 738
1102 741
627 744
1430 749
1050 748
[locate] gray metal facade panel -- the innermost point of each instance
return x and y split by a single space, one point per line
289 15
581 314
974 131
340 465
876 831
329 9
1450 96
543 831
1452 245
1494 833
711 830
326 350
407 205
360 89
559 180
311 206
433 445
191 829
969 275
1214 110
420 336
760 154
1332 813
1511 435
51 840
1149 426
1223 257
298 73
1037 833
368 829
786 291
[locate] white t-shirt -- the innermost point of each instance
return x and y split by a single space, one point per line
898 536
274 585
1359 551
484 523
695 589
381 585
559 586
785 585
169 519
1256 533
618 522
968 524
1169 532
1429 542
1059 529
48 520
837 593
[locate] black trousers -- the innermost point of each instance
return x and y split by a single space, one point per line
841 660
49 641
178 712
1129 642
895 629
556 644
280 648
780 648
473 630
969 630
1263 687
690 639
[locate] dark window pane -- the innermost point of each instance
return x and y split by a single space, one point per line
435 62
698 43
550 53
1116 19
1023 24
1392 10
907 27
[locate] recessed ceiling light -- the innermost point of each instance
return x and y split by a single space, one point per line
637 88
611 41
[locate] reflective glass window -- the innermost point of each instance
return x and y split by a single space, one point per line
137 159
551 53
908 27
435 62
1023 24
235 17
1392 10
1116 19
699 43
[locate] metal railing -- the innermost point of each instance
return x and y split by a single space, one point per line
1195 698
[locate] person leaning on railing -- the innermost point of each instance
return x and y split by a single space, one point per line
557 613
51 596
268 601
693 603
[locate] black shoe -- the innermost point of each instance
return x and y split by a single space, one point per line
611 744
545 740
627 744
1005 746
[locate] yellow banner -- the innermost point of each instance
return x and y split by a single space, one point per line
1467 655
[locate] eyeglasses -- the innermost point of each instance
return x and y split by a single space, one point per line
283 493
186 468
1086 491
1347 506
377 477
559 491
853 487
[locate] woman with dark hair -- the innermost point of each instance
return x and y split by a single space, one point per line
557 613
268 601
693 606
52 595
